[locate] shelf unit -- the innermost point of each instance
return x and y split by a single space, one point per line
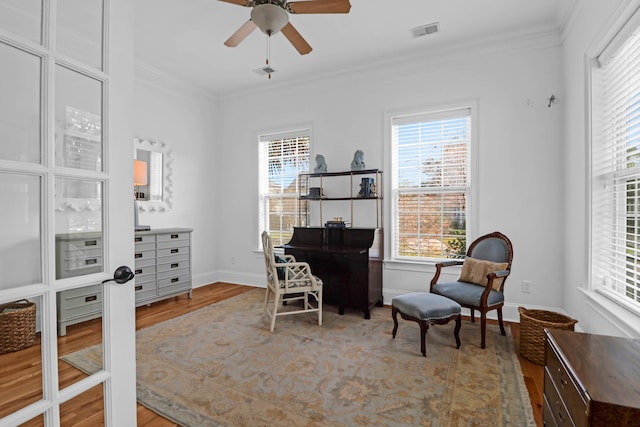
307 181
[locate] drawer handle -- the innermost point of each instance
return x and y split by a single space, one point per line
560 417
138 239
174 236
91 298
90 261
563 382
175 279
139 271
175 251
91 243
175 265
138 255
138 288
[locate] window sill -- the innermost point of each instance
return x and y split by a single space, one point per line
623 318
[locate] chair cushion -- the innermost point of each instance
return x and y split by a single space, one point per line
300 283
466 293
476 270
426 306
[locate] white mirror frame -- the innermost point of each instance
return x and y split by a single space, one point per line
167 175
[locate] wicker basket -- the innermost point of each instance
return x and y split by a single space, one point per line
532 325
17 325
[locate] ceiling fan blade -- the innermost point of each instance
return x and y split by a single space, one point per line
242 33
246 3
296 39
319 6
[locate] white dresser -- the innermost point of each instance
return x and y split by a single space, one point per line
162 265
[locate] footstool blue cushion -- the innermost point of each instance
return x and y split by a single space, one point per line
426 309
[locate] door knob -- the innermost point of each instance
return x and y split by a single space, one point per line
122 275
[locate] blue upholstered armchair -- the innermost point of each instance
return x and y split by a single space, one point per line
481 282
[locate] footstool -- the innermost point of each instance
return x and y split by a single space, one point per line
426 309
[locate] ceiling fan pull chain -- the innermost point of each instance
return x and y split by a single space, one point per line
268 50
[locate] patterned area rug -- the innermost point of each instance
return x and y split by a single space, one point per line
220 366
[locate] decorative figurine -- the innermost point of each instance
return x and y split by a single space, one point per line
321 165
357 164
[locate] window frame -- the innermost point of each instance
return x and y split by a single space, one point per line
264 138
391 218
607 46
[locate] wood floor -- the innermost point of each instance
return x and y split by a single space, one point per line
21 378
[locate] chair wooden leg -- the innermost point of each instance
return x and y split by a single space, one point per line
483 327
394 314
266 298
424 327
473 315
502 331
456 331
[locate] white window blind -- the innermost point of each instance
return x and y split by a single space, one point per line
430 184
282 157
615 169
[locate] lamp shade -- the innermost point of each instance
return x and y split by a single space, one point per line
139 173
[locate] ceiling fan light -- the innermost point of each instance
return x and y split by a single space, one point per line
269 18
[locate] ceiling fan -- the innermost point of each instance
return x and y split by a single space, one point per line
272 16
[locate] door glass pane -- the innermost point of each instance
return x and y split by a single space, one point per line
78 120
20 355
22 17
35 422
19 105
79 317
79 30
20 244
84 410
78 224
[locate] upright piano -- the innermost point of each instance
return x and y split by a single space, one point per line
348 260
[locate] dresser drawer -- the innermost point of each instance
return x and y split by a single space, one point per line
139 240
172 251
80 302
165 240
144 255
176 287
140 247
556 406
174 263
547 417
575 403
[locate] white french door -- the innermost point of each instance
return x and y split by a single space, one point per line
66 204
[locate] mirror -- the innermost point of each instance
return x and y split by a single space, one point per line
152 175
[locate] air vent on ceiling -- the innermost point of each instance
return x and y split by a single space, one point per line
425 30
265 70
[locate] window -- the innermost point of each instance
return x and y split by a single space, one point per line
282 157
430 181
615 169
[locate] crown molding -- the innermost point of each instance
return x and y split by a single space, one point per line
454 53
160 79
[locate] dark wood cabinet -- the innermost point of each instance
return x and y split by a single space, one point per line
591 380
349 262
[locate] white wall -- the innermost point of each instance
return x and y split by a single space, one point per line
185 120
594 313
520 160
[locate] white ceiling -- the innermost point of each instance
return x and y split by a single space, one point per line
184 39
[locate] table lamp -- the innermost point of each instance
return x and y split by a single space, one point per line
139 179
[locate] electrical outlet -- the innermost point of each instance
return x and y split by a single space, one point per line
528 102
233 260
526 286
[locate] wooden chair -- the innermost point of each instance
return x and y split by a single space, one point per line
481 282
289 280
